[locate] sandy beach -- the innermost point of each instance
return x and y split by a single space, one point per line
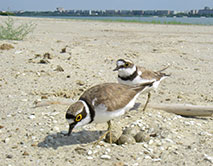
37 69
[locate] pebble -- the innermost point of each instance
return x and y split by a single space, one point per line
56 129
54 113
9 156
59 68
89 158
7 140
147 157
108 150
151 142
155 160
55 121
89 152
106 157
80 150
25 153
31 116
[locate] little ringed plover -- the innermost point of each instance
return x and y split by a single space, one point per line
130 74
102 103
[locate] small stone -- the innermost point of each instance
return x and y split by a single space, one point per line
59 68
6 47
1 126
24 100
25 153
7 140
44 97
33 144
56 129
47 55
156 160
89 158
108 150
106 157
142 137
31 116
43 61
80 150
79 82
9 156
120 163
151 142
125 139
63 50
89 152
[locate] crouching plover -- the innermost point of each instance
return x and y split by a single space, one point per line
101 103
130 74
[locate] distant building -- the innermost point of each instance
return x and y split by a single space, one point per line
60 9
111 12
137 12
149 12
206 11
162 12
192 12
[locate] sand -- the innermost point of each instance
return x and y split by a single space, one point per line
37 69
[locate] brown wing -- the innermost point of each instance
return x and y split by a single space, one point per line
149 75
113 95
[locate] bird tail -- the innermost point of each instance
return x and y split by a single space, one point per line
164 74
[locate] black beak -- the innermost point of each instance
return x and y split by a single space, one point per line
72 125
117 68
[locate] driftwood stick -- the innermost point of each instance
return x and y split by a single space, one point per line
48 103
184 109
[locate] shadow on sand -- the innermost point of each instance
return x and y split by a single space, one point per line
59 139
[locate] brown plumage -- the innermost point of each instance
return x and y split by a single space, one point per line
150 75
112 95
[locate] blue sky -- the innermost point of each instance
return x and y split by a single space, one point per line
50 5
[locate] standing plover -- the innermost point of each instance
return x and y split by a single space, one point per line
130 74
103 102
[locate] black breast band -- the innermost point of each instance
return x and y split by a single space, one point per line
91 110
131 77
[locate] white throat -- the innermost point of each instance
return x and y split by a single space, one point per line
125 72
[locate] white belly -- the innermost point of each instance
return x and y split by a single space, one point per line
102 115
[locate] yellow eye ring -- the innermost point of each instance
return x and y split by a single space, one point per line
78 118
126 64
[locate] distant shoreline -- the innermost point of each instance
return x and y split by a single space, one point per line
139 19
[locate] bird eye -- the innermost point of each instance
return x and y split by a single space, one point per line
78 118
126 64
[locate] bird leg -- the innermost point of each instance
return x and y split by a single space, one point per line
108 131
147 101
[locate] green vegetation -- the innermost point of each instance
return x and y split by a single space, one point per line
134 21
8 31
6 13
